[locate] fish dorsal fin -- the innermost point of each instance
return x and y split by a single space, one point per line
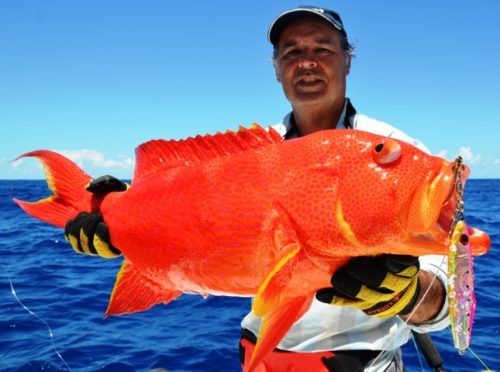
158 155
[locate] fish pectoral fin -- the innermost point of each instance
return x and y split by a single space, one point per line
134 292
280 231
283 297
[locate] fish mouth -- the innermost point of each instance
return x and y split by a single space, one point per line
451 208
452 211
433 207
430 228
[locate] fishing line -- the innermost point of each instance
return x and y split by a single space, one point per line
415 308
478 358
418 352
419 303
51 335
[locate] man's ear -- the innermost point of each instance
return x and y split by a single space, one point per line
276 71
347 63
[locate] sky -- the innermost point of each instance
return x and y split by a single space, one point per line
94 79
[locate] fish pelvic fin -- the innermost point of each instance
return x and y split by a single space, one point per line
67 183
284 296
134 291
158 155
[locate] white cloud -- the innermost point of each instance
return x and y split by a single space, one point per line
19 165
465 152
16 163
91 161
97 159
23 168
442 154
468 156
482 165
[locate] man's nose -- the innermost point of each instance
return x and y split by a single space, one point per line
307 61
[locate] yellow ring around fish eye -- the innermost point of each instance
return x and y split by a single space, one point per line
386 152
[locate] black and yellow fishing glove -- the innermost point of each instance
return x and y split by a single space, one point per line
87 232
382 286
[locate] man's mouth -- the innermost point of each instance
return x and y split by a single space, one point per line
308 79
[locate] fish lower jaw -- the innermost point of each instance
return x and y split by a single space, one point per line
479 241
438 242
435 242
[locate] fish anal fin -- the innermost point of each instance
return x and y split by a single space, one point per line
284 296
275 325
134 292
157 155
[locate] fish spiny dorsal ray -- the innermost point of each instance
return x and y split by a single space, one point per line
158 155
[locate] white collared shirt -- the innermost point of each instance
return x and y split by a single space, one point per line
327 327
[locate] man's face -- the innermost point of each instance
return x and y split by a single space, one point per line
311 64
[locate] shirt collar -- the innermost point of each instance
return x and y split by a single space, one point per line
345 120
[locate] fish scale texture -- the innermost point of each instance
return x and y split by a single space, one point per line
247 214
221 215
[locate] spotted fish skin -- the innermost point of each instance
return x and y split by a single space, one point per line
248 214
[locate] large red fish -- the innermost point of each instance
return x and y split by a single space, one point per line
248 214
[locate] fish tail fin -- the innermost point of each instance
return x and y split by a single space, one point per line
134 292
67 183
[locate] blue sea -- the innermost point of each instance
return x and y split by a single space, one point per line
52 303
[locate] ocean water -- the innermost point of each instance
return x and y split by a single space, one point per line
69 293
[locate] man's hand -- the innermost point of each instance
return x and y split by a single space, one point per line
87 232
382 286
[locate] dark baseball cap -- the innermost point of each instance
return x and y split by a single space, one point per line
285 18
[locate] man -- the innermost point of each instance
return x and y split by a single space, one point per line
358 323
312 58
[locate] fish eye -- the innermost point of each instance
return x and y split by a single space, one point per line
386 151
